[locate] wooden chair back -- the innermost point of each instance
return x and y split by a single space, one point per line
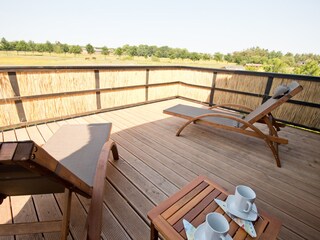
273 103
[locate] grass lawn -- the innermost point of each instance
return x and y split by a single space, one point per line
13 58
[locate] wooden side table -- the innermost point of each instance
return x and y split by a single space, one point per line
193 203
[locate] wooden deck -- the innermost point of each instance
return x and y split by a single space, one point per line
155 164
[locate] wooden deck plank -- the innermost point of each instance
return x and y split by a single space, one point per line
140 181
194 167
234 140
311 209
155 151
138 200
23 212
164 184
149 115
285 233
6 216
150 153
54 126
111 228
200 146
45 131
133 224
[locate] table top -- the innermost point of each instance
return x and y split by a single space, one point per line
194 202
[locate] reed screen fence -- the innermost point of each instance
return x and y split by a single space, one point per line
31 95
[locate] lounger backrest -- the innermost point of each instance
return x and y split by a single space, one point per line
67 160
273 103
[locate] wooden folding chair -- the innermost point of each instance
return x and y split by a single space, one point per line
73 160
239 123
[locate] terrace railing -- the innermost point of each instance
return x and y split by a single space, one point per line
31 95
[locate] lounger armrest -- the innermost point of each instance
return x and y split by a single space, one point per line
94 223
232 105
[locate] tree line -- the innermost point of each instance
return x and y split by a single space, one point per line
30 46
256 59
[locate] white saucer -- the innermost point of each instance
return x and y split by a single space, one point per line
199 233
250 216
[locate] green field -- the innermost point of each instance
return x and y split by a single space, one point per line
45 59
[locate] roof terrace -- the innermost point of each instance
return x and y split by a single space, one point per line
154 163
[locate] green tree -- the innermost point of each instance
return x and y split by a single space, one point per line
65 48
276 65
132 51
194 56
119 51
57 47
48 47
22 46
218 57
5 45
162 52
40 47
143 50
311 67
32 46
228 57
206 56
105 51
75 49
90 49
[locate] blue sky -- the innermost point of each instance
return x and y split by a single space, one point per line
206 26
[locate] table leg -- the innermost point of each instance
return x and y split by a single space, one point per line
154 233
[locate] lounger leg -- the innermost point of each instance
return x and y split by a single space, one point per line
183 127
114 150
2 197
66 214
154 235
273 145
274 152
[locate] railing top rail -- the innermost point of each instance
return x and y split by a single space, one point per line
130 67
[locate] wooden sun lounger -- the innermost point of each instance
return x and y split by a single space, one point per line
232 121
73 160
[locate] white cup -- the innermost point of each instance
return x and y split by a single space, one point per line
216 227
244 198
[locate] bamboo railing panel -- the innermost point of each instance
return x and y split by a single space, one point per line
243 83
37 83
221 97
53 107
9 115
165 75
117 98
30 95
160 92
194 93
303 115
122 78
5 89
8 112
